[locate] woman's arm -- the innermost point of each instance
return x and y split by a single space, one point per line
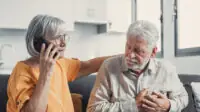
39 99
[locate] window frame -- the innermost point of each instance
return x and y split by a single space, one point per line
181 52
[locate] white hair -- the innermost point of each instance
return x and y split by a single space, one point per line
145 30
39 27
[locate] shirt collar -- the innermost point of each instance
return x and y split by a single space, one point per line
124 66
152 67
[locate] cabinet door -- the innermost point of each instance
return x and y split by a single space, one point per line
18 13
90 10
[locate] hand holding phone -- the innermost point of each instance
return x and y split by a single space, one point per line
47 59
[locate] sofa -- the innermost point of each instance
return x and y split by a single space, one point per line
84 86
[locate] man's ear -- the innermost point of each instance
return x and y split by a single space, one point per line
155 49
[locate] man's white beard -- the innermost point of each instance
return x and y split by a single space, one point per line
136 66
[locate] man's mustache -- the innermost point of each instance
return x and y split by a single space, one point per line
131 61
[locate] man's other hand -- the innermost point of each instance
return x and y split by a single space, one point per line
156 102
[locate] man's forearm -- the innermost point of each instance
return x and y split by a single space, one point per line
178 104
179 101
39 99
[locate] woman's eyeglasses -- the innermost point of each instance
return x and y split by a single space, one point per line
64 37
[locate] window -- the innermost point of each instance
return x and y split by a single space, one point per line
151 10
187 37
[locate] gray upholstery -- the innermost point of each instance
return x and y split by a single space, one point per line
84 86
191 106
186 80
3 92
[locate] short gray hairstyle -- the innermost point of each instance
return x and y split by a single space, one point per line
145 30
39 27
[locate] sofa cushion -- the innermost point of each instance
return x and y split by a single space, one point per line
83 86
196 92
187 79
191 106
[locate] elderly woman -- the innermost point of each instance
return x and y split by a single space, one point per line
40 83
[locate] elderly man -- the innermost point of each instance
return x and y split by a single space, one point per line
136 81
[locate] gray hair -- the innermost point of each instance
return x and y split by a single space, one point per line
39 27
145 30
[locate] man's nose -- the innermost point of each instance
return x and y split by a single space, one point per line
132 55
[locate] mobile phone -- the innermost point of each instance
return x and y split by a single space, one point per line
38 45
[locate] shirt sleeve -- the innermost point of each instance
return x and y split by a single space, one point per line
100 98
20 89
178 96
73 67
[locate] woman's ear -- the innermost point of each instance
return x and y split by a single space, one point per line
155 49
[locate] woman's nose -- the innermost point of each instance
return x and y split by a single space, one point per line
62 44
